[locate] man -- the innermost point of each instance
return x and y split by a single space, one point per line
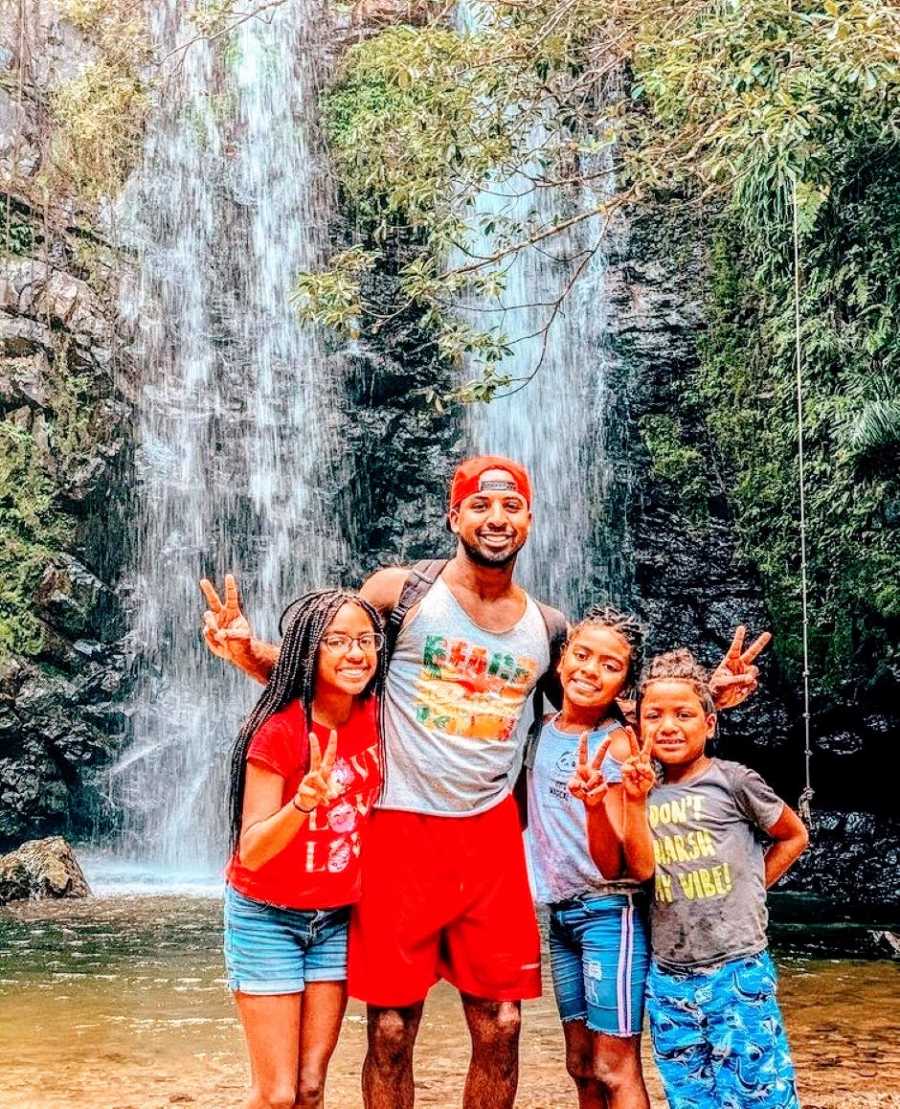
445 890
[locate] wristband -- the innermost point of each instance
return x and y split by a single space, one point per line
299 808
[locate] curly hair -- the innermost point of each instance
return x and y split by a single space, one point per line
623 624
308 619
681 666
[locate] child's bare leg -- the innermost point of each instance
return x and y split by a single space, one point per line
617 1068
323 1011
580 1064
272 1030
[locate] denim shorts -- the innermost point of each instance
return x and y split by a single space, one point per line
271 950
599 954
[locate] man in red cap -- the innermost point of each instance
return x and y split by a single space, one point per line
445 891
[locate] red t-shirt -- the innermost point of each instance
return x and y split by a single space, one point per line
320 867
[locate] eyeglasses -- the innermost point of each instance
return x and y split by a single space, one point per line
340 644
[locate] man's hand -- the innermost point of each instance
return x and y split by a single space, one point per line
317 786
226 629
735 678
638 776
587 782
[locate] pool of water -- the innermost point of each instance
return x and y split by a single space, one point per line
118 1002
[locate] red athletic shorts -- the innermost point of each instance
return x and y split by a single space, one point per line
444 897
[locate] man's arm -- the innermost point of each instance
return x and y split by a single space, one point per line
227 631
735 678
790 839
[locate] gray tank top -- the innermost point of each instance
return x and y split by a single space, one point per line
453 707
560 862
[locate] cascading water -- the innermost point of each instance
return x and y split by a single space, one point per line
235 439
555 423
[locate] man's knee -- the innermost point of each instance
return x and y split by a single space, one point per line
497 1027
392 1036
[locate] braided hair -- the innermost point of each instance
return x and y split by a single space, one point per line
294 677
679 666
623 624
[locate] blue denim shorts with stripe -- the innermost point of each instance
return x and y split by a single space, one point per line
272 950
599 954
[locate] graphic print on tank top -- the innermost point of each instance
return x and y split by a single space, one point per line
470 690
454 706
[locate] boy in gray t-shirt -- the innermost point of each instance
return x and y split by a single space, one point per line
718 1036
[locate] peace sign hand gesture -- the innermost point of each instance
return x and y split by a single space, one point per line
735 678
226 629
638 776
587 782
317 785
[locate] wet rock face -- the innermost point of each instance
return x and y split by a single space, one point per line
692 587
61 357
59 720
40 869
400 450
851 854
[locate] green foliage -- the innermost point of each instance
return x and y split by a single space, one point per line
748 99
29 532
679 466
770 110
746 389
16 234
404 117
876 429
212 17
334 298
751 94
98 116
418 122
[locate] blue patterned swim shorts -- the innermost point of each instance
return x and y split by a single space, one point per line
718 1037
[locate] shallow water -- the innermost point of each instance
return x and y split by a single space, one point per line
118 1002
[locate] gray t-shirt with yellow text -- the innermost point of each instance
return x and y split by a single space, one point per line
709 904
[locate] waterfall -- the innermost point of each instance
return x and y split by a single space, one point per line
555 423
236 434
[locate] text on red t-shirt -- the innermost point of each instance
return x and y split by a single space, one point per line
320 867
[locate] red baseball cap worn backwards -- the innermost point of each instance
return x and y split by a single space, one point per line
467 478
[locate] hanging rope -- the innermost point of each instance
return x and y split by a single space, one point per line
807 794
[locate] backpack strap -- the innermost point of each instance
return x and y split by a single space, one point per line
420 579
557 632
548 684
531 741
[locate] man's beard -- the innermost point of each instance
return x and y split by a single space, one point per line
497 562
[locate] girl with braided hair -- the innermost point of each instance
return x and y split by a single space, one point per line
598 934
305 771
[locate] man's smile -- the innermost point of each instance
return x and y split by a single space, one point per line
495 539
